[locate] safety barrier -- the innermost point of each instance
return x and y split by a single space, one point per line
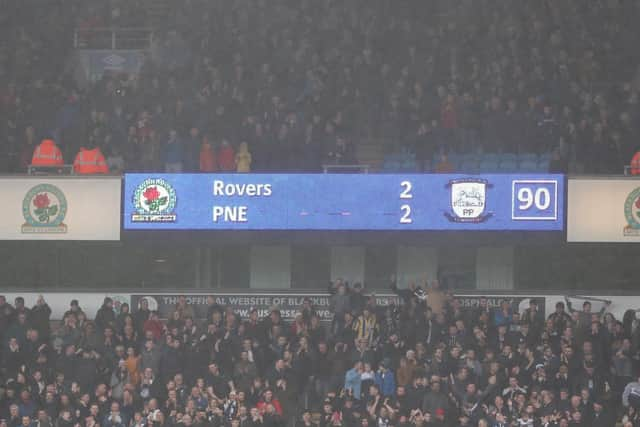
345 168
50 170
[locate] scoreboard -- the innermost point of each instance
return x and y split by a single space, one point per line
521 202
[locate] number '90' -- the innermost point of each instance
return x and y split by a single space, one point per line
540 198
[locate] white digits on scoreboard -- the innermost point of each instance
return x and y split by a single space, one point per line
405 209
406 214
406 190
534 200
538 197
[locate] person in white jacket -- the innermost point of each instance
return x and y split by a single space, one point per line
631 394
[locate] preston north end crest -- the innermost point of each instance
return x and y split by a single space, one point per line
632 213
44 208
154 201
468 200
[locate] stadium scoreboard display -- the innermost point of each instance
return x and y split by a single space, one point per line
436 202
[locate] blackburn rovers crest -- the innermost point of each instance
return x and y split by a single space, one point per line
44 208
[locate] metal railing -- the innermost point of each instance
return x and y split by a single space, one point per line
627 170
112 38
50 170
346 168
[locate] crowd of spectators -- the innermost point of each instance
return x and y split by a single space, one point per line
427 362
304 83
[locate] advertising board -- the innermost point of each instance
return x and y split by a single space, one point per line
60 208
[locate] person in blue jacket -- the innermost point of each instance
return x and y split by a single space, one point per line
385 379
353 380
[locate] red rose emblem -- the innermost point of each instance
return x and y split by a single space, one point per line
151 194
41 201
638 203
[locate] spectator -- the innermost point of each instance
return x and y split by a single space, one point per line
385 379
635 164
231 370
40 317
47 154
27 148
443 165
184 309
105 316
115 160
174 152
208 161
631 394
243 158
226 157
90 161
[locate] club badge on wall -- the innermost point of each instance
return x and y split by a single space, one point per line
44 209
468 200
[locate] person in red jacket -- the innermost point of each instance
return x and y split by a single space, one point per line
208 161
47 153
226 157
268 399
448 113
154 325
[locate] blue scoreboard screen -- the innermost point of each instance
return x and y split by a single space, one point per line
343 202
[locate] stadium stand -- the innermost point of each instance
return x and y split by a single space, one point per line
432 363
312 83
473 86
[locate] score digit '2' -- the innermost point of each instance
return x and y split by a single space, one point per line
405 209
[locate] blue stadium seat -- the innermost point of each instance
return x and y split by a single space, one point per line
409 165
488 166
527 157
529 165
508 157
490 157
468 157
508 165
543 165
390 165
469 166
544 157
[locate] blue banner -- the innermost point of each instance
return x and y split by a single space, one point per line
343 202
